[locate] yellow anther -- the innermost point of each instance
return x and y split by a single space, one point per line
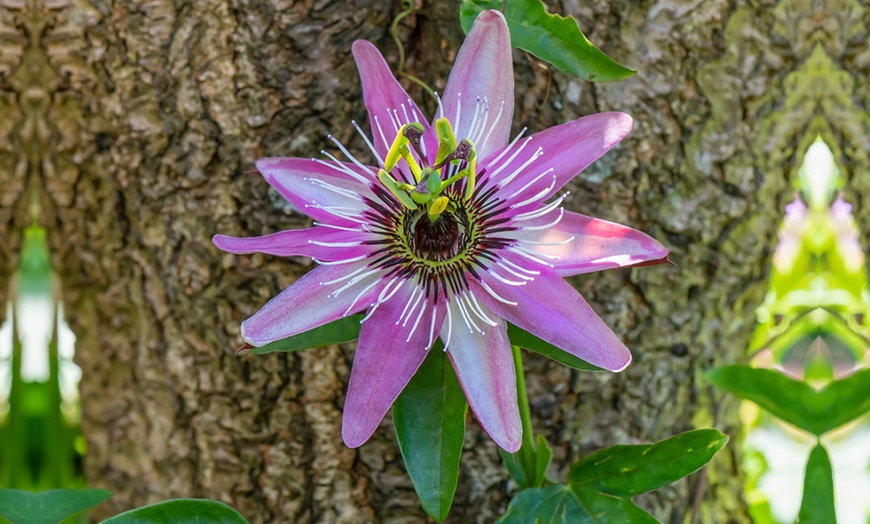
437 207
472 175
446 139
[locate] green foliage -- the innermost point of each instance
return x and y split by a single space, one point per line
553 38
543 454
797 403
48 507
430 425
342 330
53 506
818 502
180 510
600 487
524 339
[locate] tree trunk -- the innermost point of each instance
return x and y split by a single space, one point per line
141 122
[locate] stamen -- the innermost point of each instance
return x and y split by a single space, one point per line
525 254
540 196
339 262
492 127
381 132
335 189
507 162
472 327
495 295
525 187
559 243
361 293
458 109
510 146
340 167
408 305
519 267
342 228
504 280
334 244
350 276
514 273
368 142
538 152
416 322
474 120
542 211
546 226
432 327
449 324
350 156
479 310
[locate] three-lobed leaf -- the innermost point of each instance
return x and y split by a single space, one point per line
180 510
818 500
600 486
48 507
553 38
429 417
818 412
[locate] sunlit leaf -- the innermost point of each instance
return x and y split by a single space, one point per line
558 505
48 507
818 412
551 37
818 502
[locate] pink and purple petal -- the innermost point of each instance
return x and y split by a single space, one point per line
483 71
581 244
322 243
387 102
485 369
309 303
388 354
316 189
551 158
552 310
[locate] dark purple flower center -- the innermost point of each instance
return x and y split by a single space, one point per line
440 240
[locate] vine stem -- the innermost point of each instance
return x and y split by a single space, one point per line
527 450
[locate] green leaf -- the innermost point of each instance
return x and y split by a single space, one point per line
558 505
553 38
181 510
626 471
818 412
524 339
818 502
342 330
430 425
515 468
543 456
48 507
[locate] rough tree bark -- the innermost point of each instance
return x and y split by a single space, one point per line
140 122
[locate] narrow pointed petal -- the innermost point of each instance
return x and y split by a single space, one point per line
311 186
386 358
566 149
341 244
387 102
552 310
485 369
584 244
483 70
306 304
